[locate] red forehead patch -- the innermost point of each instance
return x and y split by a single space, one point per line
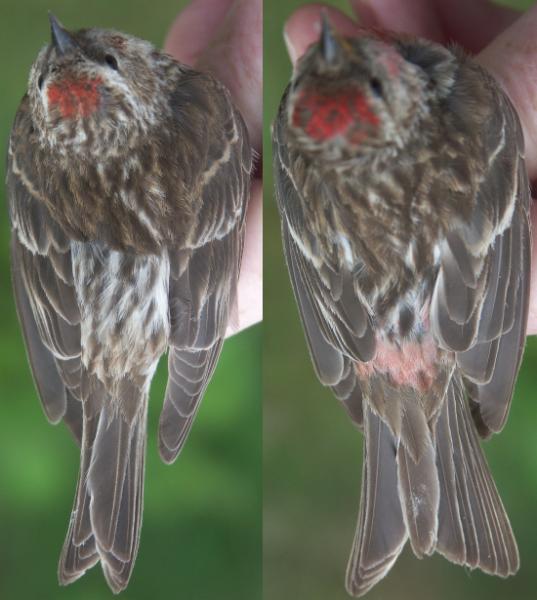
75 97
324 116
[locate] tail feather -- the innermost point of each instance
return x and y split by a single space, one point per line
482 536
106 519
456 542
419 493
381 532
445 500
106 477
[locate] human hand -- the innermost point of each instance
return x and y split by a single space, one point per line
504 40
224 37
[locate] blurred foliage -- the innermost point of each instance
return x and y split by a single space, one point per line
312 454
201 536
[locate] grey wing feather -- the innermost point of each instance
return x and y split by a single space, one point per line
45 300
337 327
480 303
203 283
473 527
381 532
329 363
49 385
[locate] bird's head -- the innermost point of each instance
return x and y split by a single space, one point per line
350 96
93 89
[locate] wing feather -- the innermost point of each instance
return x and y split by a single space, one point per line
45 299
203 281
480 303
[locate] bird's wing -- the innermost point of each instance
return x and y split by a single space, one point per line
338 328
480 303
43 286
203 280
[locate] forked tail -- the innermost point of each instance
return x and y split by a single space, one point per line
107 514
446 501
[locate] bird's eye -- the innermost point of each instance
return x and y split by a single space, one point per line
111 61
376 87
40 82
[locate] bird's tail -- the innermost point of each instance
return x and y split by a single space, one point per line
107 513
442 498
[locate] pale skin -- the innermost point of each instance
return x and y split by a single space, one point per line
224 37
504 41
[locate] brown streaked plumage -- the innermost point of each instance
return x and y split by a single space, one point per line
404 202
128 180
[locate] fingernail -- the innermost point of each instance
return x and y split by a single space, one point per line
290 48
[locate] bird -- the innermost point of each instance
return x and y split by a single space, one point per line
128 180
404 200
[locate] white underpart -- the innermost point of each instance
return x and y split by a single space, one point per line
120 301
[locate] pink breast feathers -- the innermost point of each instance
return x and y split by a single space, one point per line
75 97
324 116
413 364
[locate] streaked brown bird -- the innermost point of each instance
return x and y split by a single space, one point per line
404 204
128 179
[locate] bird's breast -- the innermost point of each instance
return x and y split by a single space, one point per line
124 310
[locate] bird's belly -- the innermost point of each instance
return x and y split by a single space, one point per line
408 363
123 302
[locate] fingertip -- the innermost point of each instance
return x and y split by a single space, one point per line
193 27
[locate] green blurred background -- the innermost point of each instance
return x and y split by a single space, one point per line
201 535
312 454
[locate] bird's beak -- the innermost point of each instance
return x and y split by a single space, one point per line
62 40
329 43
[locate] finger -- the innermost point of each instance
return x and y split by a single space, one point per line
194 27
473 24
416 17
235 56
512 59
249 304
303 27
